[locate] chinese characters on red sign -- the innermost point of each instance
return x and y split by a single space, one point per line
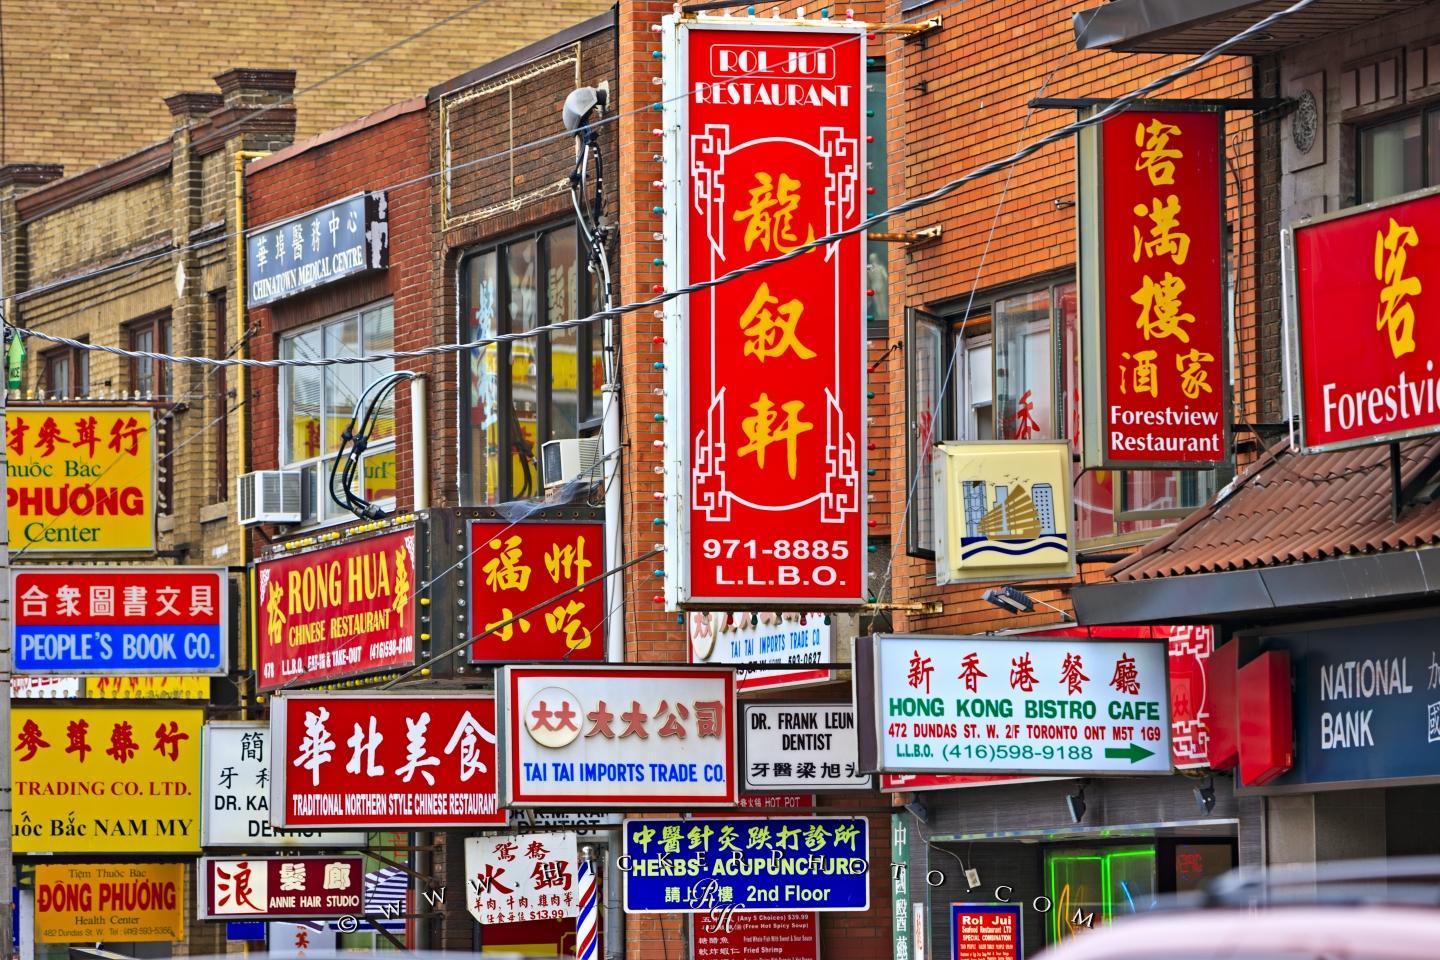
514 879
1362 295
773 377
1165 354
514 567
382 761
285 887
336 612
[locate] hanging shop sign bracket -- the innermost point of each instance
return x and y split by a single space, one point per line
909 237
1245 104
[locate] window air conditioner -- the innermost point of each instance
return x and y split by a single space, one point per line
270 496
564 460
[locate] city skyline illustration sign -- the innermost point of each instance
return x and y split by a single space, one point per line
341 611
109 902
630 737
1002 509
105 779
1021 705
764 376
765 638
746 864
383 761
81 479
281 888
322 246
1159 385
1362 307
516 566
522 877
129 620
235 794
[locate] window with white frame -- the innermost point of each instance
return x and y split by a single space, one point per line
316 404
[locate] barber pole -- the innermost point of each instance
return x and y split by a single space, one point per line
585 939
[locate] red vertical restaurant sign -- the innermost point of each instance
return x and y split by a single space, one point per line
382 761
765 379
1164 355
340 611
515 567
1363 296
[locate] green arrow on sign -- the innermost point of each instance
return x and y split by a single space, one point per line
1134 753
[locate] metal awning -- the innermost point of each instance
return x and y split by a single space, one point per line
1194 26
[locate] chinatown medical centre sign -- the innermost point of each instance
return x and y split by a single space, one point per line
341 611
383 762
1019 704
81 479
624 737
1155 342
1362 302
337 241
764 376
125 620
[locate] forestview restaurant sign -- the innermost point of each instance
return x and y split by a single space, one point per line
316 248
1363 293
1152 305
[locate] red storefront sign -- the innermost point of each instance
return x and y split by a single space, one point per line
384 762
912 782
1165 384
282 888
517 566
1363 297
767 385
340 611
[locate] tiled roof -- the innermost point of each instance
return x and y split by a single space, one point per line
1291 508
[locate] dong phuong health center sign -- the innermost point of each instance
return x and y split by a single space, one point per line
80 479
1365 287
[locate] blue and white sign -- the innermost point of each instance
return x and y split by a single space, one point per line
136 621
334 242
1366 702
720 866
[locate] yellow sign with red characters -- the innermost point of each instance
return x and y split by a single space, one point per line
81 478
91 779
147 688
109 902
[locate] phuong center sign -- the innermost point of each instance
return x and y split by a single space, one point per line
1020 705
81 479
1364 287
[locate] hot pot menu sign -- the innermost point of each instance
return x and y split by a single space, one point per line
767 368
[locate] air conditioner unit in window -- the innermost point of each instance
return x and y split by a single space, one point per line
564 460
270 496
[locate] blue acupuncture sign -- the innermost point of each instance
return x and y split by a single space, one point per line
718 866
337 241
243 930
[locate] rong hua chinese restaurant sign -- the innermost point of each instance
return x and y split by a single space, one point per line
764 382
1152 298
340 611
1019 704
80 479
622 737
383 761
1364 287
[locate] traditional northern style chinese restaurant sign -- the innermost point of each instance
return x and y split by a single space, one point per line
81 479
1019 705
109 902
90 779
340 611
522 877
281 888
1364 297
765 384
517 566
382 761
617 736
137 620
1157 383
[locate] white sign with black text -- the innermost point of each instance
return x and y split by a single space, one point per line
808 746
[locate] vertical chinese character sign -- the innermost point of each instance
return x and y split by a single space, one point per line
765 385
1152 279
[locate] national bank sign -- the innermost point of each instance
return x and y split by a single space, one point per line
341 240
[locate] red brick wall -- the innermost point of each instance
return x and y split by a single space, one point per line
393 151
